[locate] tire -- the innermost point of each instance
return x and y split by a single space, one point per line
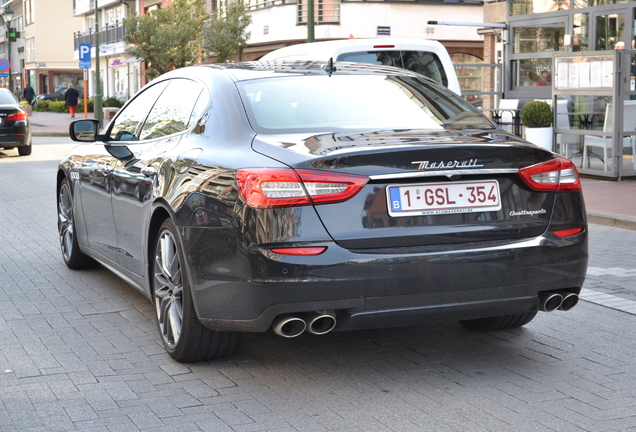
499 323
73 256
182 334
25 150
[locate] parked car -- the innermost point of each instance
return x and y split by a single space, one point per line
310 197
59 95
428 57
15 128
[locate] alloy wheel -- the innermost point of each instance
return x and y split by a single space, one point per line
168 289
65 221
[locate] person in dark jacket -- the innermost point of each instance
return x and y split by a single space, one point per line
29 94
71 97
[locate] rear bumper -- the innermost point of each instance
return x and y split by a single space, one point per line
375 288
15 136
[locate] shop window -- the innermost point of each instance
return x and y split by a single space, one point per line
580 32
532 72
610 32
592 3
470 75
542 38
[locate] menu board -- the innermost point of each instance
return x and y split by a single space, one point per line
584 72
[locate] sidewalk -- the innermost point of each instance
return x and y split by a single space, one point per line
608 202
52 124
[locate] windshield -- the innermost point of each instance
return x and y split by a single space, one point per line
353 102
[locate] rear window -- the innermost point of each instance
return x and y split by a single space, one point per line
317 103
424 62
7 98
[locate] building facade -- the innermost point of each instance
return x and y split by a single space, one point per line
277 23
42 54
539 28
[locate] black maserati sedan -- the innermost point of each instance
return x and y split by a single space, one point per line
316 197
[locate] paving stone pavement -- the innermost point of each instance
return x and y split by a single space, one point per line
79 351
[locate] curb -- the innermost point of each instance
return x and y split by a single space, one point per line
611 219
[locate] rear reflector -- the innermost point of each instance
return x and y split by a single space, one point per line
568 232
555 175
268 188
314 250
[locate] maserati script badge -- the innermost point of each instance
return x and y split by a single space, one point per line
428 165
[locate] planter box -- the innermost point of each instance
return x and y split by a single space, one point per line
28 109
541 136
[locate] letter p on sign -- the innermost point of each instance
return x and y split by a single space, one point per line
84 52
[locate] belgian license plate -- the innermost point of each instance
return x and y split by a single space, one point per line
444 198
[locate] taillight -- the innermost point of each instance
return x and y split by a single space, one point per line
267 188
20 114
555 175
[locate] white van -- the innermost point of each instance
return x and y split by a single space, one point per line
424 56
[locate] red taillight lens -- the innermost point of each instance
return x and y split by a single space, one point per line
267 188
555 175
20 114
300 251
568 232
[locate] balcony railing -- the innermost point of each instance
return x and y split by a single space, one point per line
325 12
110 34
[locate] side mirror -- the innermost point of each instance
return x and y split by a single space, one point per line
86 130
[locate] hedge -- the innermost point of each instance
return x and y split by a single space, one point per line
60 106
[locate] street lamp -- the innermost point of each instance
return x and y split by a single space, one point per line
8 17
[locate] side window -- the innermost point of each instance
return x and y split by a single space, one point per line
173 112
128 122
427 64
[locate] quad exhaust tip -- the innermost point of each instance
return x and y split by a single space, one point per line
318 323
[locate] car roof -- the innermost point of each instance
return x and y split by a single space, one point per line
324 50
260 69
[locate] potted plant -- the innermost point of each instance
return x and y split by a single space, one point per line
537 117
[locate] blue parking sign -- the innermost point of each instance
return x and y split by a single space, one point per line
84 52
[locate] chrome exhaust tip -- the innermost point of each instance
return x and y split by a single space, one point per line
549 301
569 301
289 326
320 323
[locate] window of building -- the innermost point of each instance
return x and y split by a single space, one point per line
29 47
532 48
581 32
29 16
610 32
470 75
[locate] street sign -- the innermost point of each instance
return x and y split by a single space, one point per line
5 65
4 75
84 52
85 65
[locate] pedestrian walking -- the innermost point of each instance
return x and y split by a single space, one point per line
71 97
29 94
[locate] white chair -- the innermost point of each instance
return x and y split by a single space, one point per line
506 112
605 143
564 140
507 116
